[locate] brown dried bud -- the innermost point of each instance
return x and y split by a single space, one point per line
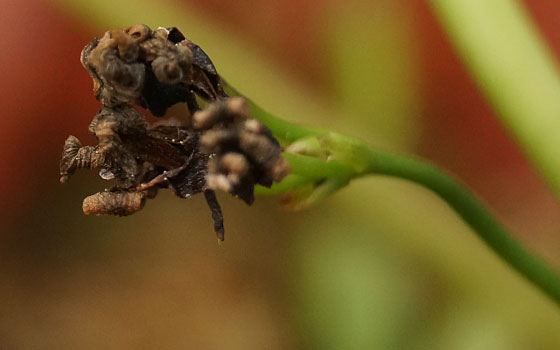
110 60
139 32
116 129
114 203
238 106
122 120
235 163
227 172
76 157
170 63
127 47
245 152
234 109
167 70
266 154
279 169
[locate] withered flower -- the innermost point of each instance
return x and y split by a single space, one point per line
245 151
219 147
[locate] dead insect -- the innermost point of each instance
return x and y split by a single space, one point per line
218 147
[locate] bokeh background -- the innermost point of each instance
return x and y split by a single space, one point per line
382 264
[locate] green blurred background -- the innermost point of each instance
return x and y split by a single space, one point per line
382 264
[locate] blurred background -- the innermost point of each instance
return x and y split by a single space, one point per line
382 264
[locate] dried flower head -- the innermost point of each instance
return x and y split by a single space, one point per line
245 152
220 147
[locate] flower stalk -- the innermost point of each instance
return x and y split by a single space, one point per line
328 161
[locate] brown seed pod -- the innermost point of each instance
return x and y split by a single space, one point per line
75 157
139 32
114 203
112 62
245 152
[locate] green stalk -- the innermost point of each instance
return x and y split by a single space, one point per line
473 212
514 68
349 153
282 129
368 161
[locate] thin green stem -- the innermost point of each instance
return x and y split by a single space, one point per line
317 169
291 182
282 129
494 234
351 158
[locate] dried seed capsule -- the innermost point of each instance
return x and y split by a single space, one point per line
244 151
114 203
280 169
74 157
139 32
111 62
127 47
231 110
167 70
235 164
238 107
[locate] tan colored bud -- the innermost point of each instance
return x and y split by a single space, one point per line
114 203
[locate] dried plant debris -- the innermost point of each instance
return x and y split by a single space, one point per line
218 147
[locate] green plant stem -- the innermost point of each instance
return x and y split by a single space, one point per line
282 129
473 212
367 161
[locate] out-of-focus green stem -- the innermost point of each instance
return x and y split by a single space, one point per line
511 64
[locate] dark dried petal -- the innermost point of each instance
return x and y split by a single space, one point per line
158 97
192 179
205 77
216 213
